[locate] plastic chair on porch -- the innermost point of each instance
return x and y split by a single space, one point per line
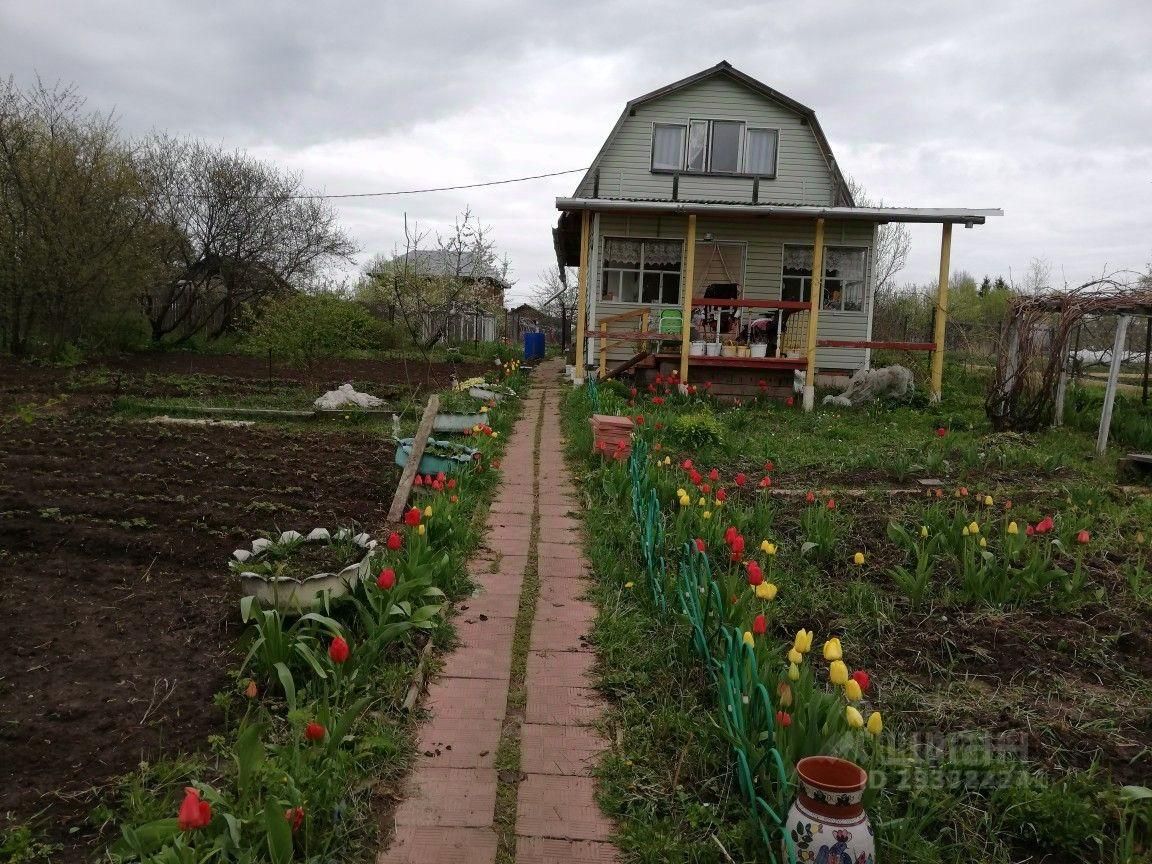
794 340
671 323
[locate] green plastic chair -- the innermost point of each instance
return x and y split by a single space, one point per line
672 323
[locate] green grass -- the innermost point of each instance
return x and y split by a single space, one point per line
1065 673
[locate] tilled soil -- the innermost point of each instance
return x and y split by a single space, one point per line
120 618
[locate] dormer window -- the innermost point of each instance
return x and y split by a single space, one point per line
723 147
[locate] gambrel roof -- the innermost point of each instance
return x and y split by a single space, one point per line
726 69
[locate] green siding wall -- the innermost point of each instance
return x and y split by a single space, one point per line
803 175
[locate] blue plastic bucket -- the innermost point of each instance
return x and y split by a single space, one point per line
533 346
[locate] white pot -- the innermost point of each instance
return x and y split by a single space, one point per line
712 349
759 350
696 349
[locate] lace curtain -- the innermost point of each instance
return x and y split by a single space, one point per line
626 254
845 262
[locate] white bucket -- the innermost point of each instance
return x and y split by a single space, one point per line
712 349
759 350
696 349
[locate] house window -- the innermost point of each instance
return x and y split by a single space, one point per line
844 275
642 271
714 147
724 146
667 147
760 152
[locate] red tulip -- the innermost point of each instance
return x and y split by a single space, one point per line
294 816
1045 525
418 481
314 731
721 495
714 474
694 476
338 650
740 479
784 719
386 579
437 486
657 400
441 476
810 497
831 504
789 401
861 678
768 466
1083 537
700 547
193 812
451 483
412 517
395 541
737 548
251 691
691 389
755 574
759 625
454 499
765 482
706 488
1029 531
657 426
633 392
941 432
730 534
686 464
639 419
659 380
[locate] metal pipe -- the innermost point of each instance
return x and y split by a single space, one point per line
936 215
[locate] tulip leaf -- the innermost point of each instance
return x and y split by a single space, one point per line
1135 793
807 547
249 754
289 685
279 834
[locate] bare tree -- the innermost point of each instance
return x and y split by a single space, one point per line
230 231
557 295
425 283
890 252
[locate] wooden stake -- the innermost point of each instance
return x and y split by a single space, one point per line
1113 379
816 298
404 487
687 285
941 324
582 301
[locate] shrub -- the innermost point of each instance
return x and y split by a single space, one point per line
306 329
696 431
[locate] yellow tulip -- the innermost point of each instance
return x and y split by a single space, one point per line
803 641
685 501
987 500
973 528
1013 528
667 460
1140 537
793 672
832 649
768 548
838 673
719 503
766 591
855 718
924 531
420 529
983 543
785 692
701 502
858 559
852 690
681 492
795 656
707 514
965 531
875 723
749 639
629 584
428 512
495 434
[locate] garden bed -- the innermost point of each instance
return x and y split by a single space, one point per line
121 614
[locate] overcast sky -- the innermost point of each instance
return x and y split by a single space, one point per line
1042 108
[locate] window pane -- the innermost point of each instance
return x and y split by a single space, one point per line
833 294
760 152
725 151
794 288
844 272
697 144
629 287
609 285
671 289
668 147
662 254
622 254
651 288
797 260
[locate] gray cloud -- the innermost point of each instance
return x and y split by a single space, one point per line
1039 107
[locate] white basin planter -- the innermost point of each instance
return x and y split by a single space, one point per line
452 422
490 393
262 570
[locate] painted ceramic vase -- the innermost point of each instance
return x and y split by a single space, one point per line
827 823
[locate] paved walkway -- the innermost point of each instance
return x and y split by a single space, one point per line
506 758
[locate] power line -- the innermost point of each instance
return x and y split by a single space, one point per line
445 188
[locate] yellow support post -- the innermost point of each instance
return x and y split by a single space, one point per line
816 298
603 349
686 285
941 313
582 301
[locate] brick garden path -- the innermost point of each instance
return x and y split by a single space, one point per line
505 765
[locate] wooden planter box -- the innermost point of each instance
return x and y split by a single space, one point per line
612 436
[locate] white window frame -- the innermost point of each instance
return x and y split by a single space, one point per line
683 147
707 170
806 281
775 151
607 274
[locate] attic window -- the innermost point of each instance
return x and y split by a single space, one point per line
714 147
